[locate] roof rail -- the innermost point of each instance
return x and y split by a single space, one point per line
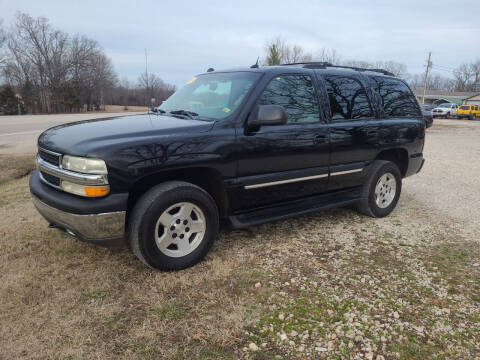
323 65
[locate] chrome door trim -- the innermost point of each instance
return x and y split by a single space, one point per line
280 182
346 172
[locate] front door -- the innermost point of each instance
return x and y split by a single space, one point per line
282 162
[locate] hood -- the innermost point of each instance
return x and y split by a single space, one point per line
86 137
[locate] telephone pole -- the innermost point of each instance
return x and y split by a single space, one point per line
429 64
146 80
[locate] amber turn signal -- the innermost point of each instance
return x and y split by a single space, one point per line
94 191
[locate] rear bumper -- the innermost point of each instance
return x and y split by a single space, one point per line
95 220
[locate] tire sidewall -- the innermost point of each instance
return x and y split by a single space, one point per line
393 169
146 228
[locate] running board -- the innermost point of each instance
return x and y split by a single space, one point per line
296 207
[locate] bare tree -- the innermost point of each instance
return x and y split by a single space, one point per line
3 40
154 88
53 71
327 55
279 52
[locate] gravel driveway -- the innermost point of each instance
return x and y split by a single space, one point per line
449 183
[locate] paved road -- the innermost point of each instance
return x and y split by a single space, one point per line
18 133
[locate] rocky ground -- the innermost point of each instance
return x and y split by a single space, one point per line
333 285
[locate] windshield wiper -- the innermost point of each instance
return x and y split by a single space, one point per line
189 114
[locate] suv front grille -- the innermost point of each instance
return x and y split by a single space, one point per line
51 179
49 157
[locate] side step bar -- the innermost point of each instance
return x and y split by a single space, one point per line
292 208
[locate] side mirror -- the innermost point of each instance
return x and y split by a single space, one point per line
268 115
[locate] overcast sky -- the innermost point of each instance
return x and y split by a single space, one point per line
187 37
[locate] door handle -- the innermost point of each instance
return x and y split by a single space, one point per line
320 139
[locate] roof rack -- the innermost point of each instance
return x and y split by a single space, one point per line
323 65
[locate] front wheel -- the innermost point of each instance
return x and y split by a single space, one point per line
381 190
173 226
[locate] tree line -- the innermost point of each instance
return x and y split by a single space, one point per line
466 77
53 71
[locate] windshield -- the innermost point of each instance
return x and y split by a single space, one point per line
465 107
445 105
211 96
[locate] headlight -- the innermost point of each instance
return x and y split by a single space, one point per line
84 165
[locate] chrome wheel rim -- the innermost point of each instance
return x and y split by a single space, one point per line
180 229
385 190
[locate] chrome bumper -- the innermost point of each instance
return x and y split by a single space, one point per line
94 227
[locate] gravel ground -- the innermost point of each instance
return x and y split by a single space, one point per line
331 285
449 183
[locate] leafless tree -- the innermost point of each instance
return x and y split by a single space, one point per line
154 88
56 72
280 52
327 55
3 40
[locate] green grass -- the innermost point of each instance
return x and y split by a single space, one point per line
170 311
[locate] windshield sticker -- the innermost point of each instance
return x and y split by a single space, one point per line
225 109
191 80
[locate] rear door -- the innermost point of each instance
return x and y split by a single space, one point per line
351 111
282 162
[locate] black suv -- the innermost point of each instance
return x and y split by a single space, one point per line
248 146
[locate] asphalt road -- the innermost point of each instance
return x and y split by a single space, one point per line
18 133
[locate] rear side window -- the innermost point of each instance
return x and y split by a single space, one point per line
397 98
348 98
296 94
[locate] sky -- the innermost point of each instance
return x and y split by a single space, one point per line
184 38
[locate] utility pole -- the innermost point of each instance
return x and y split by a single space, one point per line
429 64
146 79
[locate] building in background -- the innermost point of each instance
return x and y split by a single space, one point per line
437 97
473 100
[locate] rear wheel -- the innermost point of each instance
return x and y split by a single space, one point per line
381 190
173 226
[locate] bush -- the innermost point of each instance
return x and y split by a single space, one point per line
9 103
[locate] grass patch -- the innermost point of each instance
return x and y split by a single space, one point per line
15 167
170 311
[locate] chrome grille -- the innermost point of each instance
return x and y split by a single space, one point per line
49 157
51 179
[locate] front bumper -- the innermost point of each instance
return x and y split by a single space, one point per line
95 220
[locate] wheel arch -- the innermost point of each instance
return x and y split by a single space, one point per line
399 156
206 178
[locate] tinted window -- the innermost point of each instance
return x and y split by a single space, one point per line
397 99
348 99
296 94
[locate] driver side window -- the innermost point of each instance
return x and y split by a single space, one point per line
296 94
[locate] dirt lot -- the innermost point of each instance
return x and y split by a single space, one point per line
333 285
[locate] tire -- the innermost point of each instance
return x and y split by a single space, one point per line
447 115
190 206
368 204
